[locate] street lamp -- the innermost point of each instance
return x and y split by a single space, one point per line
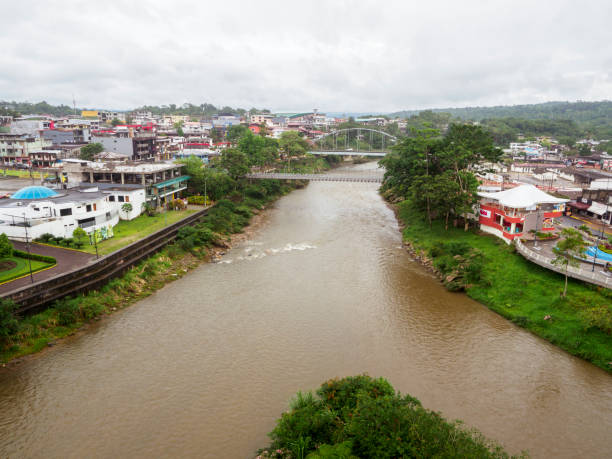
25 226
535 236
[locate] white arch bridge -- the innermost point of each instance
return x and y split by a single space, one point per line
353 142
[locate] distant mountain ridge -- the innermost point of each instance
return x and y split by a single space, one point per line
577 111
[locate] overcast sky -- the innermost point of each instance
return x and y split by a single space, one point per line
290 55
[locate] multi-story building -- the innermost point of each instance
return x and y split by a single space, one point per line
515 212
225 121
263 118
134 143
163 182
64 135
16 148
31 127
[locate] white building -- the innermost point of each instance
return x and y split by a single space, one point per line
36 210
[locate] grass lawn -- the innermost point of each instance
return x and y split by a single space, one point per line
21 268
126 232
22 173
526 293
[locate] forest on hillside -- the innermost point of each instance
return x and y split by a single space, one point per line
568 120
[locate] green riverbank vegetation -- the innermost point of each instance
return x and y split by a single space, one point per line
483 266
360 416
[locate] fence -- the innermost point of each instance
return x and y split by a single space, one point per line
98 273
592 277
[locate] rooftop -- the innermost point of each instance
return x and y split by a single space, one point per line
522 197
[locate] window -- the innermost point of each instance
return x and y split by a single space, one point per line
111 198
120 198
88 208
64 212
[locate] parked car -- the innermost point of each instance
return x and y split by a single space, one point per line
21 166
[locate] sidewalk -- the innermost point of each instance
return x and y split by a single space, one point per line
67 260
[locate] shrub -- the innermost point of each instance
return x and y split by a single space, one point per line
598 316
8 323
80 237
196 200
177 204
67 311
46 237
6 248
34 256
365 417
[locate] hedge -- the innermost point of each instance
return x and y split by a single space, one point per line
34 256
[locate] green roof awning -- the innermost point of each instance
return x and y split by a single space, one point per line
182 178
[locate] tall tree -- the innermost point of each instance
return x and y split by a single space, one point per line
88 151
568 250
235 162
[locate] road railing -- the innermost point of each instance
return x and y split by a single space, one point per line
593 277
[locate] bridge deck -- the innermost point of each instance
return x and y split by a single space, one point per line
373 178
348 153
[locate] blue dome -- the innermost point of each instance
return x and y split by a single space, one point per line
34 192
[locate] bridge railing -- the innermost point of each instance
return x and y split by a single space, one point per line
593 277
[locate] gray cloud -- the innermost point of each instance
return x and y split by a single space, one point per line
341 55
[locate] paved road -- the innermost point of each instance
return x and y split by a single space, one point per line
67 260
578 220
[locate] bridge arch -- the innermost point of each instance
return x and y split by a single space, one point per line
364 142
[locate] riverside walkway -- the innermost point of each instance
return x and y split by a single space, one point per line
370 178
593 277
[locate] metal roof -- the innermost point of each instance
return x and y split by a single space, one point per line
182 178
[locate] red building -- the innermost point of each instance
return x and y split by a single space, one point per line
513 213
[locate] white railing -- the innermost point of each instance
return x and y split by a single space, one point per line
593 277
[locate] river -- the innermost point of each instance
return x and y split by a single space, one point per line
203 367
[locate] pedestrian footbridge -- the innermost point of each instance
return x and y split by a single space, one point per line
347 177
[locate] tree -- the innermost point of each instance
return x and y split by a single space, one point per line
6 248
585 150
80 237
179 131
235 132
116 122
292 144
568 250
126 208
88 151
435 171
235 162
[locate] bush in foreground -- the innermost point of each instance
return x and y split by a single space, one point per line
360 416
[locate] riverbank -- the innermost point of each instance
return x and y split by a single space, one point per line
230 225
492 273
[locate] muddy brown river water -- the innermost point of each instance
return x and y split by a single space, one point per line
203 367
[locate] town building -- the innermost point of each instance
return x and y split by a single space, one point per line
36 210
30 127
135 142
163 182
16 148
515 212
261 118
67 135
